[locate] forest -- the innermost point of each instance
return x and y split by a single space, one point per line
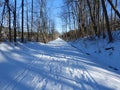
21 21
90 18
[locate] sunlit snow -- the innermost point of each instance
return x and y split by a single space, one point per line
52 66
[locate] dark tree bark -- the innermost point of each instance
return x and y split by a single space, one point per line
8 7
10 39
107 21
22 38
15 2
92 19
27 21
116 11
31 19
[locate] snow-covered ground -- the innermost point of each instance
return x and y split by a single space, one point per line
103 52
54 66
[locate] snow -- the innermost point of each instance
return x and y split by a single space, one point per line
97 49
53 66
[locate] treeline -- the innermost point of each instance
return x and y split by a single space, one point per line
85 18
26 20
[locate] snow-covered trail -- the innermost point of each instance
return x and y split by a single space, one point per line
55 66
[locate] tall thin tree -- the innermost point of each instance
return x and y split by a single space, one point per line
15 3
27 20
22 38
107 21
31 19
9 11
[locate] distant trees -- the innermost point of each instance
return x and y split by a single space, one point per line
2 17
90 17
25 20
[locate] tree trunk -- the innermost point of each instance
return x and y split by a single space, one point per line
15 22
27 21
31 19
8 7
116 4
22 38
92 19
10 39
116 11
107 21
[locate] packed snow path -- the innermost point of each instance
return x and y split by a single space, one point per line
55 66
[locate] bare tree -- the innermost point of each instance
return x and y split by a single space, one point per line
116 11
31 19
9 11
1 23
92 19
107 21
14 12
27 20
22 37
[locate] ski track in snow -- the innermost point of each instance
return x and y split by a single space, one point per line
22 75
57 69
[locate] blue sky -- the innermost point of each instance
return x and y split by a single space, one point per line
55 9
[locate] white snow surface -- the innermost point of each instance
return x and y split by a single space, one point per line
53 66
103 52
